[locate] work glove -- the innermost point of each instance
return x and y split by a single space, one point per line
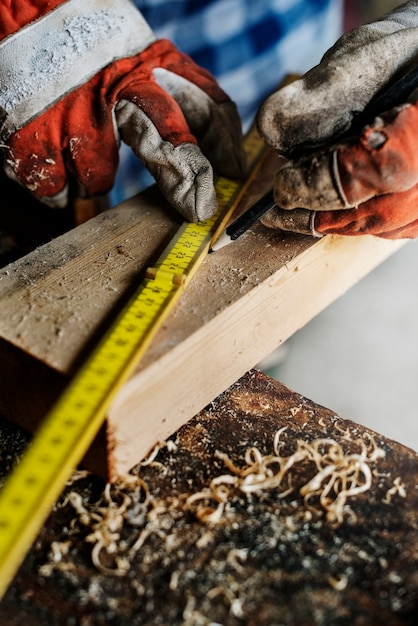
77 76
344 173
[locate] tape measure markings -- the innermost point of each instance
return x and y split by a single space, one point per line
69 428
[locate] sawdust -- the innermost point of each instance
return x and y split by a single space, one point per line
304 534
335 477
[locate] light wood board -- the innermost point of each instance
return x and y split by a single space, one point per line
244 301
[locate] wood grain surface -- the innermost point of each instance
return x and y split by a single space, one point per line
244 301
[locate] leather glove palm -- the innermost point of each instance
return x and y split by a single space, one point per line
367 182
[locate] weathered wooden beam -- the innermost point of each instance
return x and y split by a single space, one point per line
244 301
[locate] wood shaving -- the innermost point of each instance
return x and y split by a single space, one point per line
337 476
125 502
399 488
247 515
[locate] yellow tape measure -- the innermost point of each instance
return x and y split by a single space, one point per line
68 430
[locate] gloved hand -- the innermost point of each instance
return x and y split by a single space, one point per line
78 75
350 181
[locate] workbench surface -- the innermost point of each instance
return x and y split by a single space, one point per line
263 509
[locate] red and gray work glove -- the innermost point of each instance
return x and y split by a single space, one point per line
78 75
349 182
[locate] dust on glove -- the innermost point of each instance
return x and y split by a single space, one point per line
76 77
349 182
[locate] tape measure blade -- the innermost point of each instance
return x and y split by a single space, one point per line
58 446
68 430
25 503
70 427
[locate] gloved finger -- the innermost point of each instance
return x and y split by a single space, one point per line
187 93
392 216
182 172
383 160
211 115
58 200
58 150
323 104
42 170
300 221
156 128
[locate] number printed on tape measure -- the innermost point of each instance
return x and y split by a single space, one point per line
69 428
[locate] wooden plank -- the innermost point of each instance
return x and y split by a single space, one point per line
245 300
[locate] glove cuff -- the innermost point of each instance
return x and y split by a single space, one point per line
63 49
